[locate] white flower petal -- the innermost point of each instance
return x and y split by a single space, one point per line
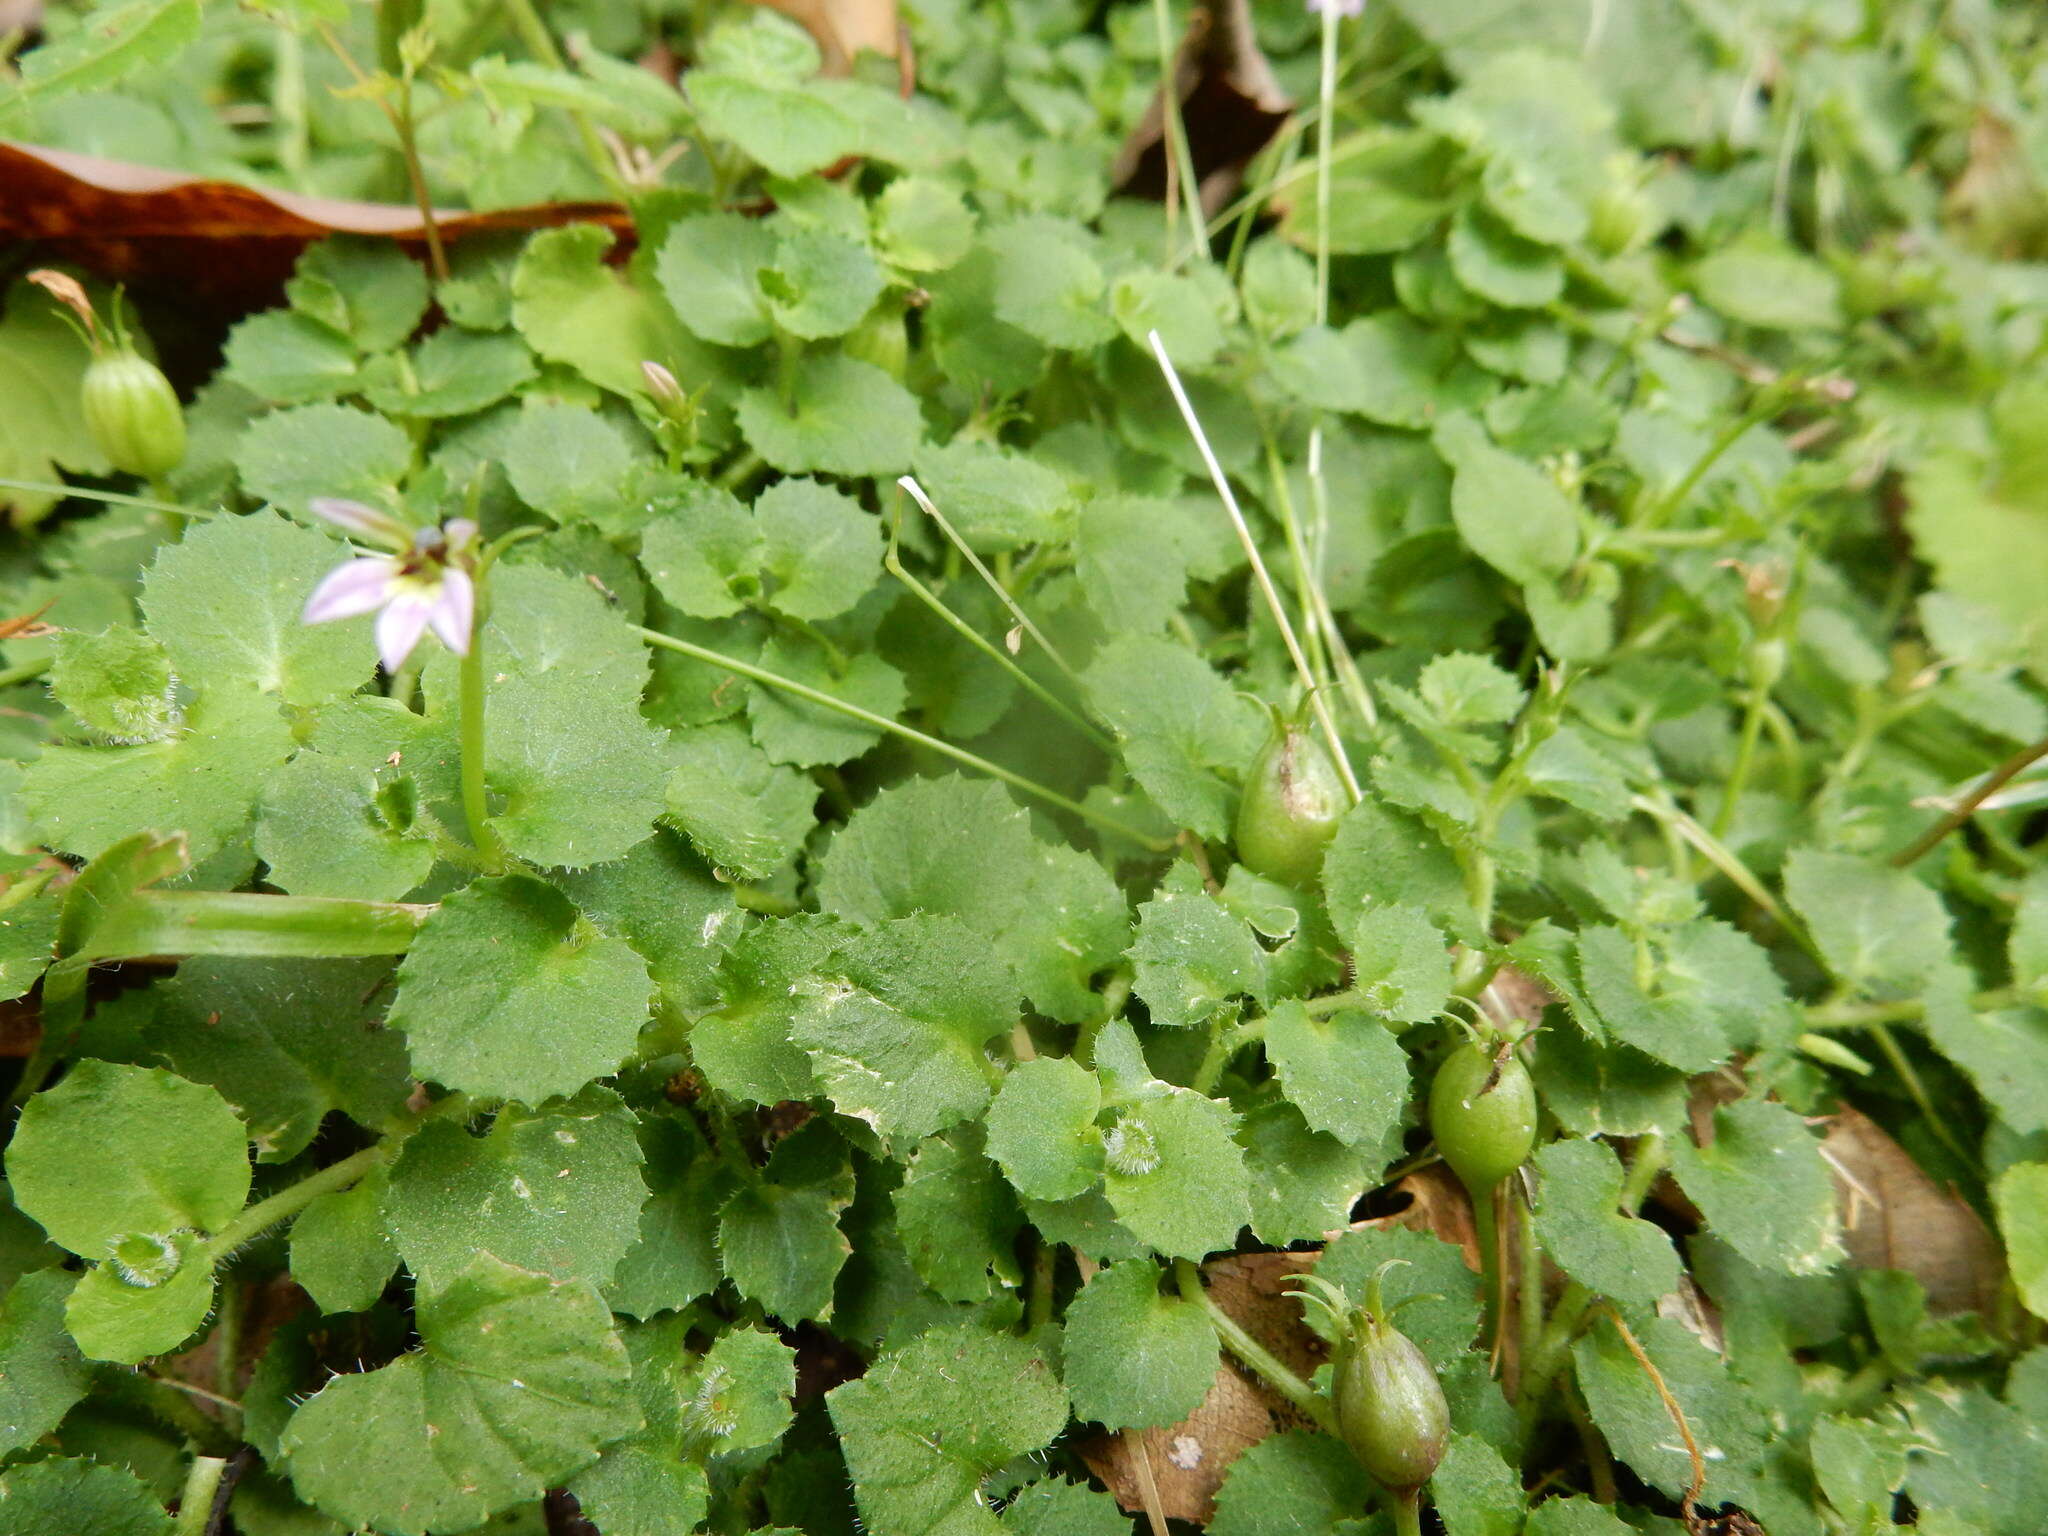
400 626
355 586
360 521
454 610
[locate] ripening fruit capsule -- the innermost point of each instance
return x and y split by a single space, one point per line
1388 1403
1482 1111
133 414
1292 803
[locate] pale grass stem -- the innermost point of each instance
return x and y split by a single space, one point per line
1259 572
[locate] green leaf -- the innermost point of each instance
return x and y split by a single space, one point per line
1303 1182
285 1042
293 455
1400 963
1575 1516
326 828
782 1247
821 552
1049 284
1443 1315
110 44
662 900
2003 1051
1763 1187
674 1257
995 499
1509 513
1175 1177
796 731
634 1490
1193 956
62 1497
1476 1493
1177 307
1041 1128
790 130
341 1251
41 1371
1296 1483
819 284
964 847
1132 560
567 460
557 1192
1584 1229
367 289
451 373
117 683
650 113
1381 854
1878 928
743 1046
928 1422
1671 1023
709 270
702 551
577 769
1501 266
1056 1508
896 1025
922 225
1187 735
114 1151
574 309
2021 1197
1345 1072
1136 1358
288 358
1387 367
113 1317
510 992
743 812
738 1396
1757 280
957 1218
835 415
517 1382
42 364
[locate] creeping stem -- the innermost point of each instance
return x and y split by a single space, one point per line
1252 1354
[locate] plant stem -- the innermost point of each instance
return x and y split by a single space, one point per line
1038 1306
752 898
195 1503
1254 1355
895 728
1745 753
292 1199
1998 778
1326 112
1910 1010
990 649
1223 1043
541 44
917 494
109 498
1917 1091
1529 1285
1317 703
1486 1228
1407 1507
1175 131
476 810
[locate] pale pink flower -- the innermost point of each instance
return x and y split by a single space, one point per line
424 583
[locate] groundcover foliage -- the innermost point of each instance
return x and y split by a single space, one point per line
582 951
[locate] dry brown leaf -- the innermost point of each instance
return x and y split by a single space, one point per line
216 243
1895 1217
1229 100
1189 1460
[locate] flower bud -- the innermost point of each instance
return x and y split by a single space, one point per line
133 414
1292 802
1482 1111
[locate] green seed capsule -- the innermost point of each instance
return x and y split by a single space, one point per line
1292 803
1482 1111
133 414
1389 1405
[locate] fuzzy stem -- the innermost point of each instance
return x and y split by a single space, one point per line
1745 754
1529 1281
1254 1355
1486 1227
195 1503
292 1199
1407 1510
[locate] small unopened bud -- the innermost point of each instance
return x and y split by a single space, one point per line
1389 1406
661 384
